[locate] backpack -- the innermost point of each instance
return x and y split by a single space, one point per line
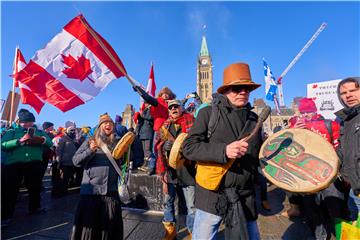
214 116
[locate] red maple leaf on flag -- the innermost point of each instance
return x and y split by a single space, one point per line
78 69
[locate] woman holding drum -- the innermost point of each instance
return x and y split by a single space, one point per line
98 215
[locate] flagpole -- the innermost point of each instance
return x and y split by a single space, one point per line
132 81
13 89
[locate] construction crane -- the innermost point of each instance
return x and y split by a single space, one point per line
307 45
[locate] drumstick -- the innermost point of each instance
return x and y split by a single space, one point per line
262 117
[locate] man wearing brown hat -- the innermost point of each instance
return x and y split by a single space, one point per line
212 142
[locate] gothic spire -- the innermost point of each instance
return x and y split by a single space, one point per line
204 49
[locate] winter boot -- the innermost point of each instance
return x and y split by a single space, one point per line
150 171
189 236
170 230
144 167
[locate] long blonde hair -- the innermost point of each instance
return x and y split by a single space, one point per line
100 138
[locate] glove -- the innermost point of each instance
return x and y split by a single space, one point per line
25 138
167 146
36 140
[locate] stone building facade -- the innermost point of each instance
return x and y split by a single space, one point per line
128 116
275 119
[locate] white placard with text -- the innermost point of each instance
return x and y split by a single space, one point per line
325 97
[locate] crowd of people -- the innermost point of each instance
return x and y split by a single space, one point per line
219 162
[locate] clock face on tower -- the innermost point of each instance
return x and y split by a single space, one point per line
204 61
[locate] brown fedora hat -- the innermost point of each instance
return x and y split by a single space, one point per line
237 74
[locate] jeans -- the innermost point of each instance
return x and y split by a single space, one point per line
206 226
169 207
169 199
354 205
152 160
189 194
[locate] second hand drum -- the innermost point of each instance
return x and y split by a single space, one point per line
298 160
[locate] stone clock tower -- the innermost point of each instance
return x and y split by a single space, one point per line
127 116
204 78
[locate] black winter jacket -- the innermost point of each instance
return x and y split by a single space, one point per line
231 126
350 146
65 151
145 125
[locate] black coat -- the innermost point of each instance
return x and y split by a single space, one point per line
66 150
145 125
198 147
350 146
137 153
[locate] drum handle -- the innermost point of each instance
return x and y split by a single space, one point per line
262 117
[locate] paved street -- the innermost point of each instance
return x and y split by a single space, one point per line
56 223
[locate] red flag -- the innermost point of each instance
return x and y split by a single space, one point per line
19 64
75 66
27 97
151 86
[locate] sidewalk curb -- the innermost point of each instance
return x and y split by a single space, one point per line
143 211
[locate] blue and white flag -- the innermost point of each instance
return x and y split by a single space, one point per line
270 86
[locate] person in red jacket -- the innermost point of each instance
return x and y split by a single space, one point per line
183 177
322 208
311 120
159 112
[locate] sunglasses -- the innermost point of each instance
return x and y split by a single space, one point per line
238 89
173 107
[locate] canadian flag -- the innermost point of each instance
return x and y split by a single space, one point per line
73 67
150 88
27 97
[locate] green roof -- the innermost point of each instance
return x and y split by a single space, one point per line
204 49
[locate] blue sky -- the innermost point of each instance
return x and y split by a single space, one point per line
169 34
